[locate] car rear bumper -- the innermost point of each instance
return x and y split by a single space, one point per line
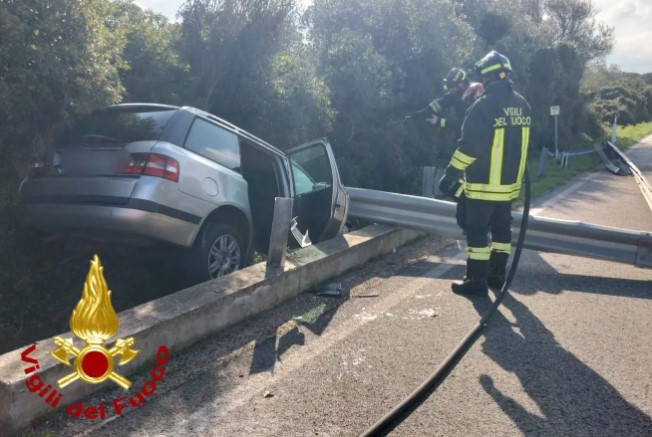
138 218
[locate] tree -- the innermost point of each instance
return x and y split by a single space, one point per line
152 70
549 44
58 59
575 23
249 65
380 61
617 94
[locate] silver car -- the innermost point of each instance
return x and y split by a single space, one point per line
137 173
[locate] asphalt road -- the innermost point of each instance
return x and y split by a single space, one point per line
569 353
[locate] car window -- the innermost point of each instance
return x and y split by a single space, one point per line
302 182
214 143
311 170
123 125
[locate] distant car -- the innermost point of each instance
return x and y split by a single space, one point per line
137 173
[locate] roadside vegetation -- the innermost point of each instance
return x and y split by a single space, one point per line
630 135
346 69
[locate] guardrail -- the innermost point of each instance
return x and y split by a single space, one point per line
543 234
641 181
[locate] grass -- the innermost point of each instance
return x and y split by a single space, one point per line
556 176
630 135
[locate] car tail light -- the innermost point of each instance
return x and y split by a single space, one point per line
39 169
153 164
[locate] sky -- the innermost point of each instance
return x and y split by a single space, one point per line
631 19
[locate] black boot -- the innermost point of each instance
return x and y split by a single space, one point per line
497 269
475 280
496 281
473 286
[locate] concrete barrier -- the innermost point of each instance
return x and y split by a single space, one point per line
189 315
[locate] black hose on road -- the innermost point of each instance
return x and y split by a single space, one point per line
403 410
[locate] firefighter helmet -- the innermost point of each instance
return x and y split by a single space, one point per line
493 66
455 76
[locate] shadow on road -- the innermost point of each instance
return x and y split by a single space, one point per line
572 399
549 280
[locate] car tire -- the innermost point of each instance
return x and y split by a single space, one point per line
218 251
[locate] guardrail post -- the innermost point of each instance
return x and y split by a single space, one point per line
428 188
542 162
431 176
278 239
565 156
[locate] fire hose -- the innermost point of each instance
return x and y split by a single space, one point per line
410 403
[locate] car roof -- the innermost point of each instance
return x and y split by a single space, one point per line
223 123
144 106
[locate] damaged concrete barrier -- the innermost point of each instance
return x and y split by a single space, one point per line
185 317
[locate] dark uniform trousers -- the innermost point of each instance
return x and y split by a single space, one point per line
478 219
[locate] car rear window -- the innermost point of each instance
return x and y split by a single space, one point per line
123 125
214 143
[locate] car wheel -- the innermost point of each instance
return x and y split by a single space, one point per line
218 251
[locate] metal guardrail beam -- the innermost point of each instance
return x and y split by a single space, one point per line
641 181
544 234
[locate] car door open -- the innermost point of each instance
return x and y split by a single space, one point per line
320 201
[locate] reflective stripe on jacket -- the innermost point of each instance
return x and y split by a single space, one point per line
493 148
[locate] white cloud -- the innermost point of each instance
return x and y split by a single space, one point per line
168 8
631 21
631 54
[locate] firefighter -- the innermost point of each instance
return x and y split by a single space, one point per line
486 172
459 94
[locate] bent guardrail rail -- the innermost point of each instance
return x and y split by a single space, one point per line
543 234
641 181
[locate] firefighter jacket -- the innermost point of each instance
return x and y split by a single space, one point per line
492 150
457 100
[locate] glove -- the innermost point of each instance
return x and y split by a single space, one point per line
433 120
451 182
460 212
